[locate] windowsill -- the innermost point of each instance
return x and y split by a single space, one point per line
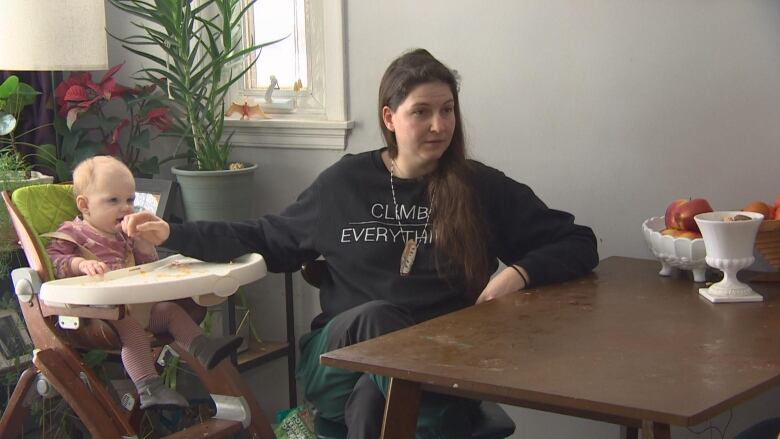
289 133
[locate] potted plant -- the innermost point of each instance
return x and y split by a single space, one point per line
12 175
15 170
15 95
196 54
105 117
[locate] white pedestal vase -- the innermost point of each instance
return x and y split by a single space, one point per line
729 247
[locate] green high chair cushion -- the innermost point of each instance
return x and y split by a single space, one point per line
45 207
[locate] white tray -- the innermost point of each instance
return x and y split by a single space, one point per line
174 277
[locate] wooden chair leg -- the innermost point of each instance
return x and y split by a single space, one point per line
79 397
224 379
16 412
118 415
628 432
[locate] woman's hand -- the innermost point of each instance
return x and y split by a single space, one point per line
146 226
508 281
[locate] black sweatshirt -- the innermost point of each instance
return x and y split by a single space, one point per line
348 216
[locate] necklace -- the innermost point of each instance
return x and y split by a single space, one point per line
410 249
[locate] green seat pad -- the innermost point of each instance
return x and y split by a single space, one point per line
45 207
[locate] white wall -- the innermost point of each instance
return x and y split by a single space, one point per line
607 108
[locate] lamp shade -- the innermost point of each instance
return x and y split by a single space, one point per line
53 35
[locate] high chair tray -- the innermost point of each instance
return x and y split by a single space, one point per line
174 277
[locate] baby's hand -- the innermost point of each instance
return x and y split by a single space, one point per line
92 267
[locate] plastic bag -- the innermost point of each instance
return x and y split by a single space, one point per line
296 423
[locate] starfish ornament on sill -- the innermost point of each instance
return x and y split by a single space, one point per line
247 111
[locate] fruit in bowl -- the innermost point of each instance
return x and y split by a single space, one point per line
680 212
679 252
768 238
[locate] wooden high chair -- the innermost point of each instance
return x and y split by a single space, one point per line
56 363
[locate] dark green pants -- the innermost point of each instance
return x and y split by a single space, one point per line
349 397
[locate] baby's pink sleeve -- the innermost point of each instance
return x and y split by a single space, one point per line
62 252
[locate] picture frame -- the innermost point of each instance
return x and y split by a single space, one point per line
15 342
153 195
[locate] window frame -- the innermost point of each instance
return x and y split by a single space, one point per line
160 188
325 127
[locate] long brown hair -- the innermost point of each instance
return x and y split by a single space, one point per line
460 235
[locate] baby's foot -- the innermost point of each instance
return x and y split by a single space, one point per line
153 392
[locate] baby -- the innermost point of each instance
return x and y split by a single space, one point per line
94 243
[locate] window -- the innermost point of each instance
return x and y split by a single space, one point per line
286 60
313 53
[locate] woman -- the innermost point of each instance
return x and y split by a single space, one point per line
410 232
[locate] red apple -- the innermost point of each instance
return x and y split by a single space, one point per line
684 213
669 216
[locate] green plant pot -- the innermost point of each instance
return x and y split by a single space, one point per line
216 195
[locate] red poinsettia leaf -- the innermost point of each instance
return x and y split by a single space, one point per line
107 87
85 105
118 129
157 112
112 148
76 93
158 118
79 78
61 89
119 90
59 94
110 73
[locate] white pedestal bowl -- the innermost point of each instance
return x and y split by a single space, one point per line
675 253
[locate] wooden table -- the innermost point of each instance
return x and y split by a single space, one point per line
622 345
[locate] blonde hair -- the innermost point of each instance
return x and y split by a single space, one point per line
85 174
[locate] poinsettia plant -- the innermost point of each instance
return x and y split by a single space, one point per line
91 121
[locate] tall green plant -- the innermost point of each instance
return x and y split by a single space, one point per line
193 46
